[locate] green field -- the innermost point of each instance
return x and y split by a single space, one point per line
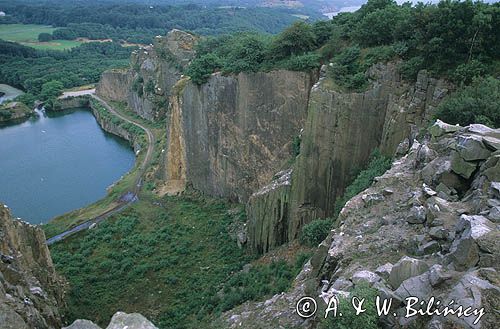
27 34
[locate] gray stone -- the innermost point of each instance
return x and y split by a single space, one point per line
462 167
495 189
474 226
494 214
365 276
417 286
384 271
417 215
83 324
490 242
464 254
440 128
491 168
371 199
342 284
483 130
471 291
405 268
430 247
130 321
472 148
438 233
438 275
492 142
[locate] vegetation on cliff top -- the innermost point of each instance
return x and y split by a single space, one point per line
458 40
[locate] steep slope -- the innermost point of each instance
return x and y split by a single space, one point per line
341 131
31 292
427 227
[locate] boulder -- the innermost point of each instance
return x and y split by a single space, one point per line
495 190
462 167
384 270
472 148
483 130
417 215
474 226
491 168
365 277
83 324
430 247
130 321
405 268
438 275
472 291
492 142
417 286
342 284
440 128
464 254
438 233
494 214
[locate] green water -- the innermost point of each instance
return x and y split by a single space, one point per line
58 163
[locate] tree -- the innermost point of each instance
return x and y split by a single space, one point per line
51 90
45 37
201 68
295 40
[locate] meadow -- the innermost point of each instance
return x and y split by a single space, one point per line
27 35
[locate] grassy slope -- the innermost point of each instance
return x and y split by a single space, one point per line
164 260
27 34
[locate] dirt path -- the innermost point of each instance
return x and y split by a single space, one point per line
125 199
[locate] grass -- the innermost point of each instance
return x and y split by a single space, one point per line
27 34
172 259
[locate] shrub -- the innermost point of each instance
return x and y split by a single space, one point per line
349 319
477 103
201 68
410 68
44 37
315 232
377 165
306 62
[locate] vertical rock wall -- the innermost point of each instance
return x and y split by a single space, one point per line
30 290
239 129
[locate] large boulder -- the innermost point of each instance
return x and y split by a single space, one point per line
406 268
83 324
130 321
472 148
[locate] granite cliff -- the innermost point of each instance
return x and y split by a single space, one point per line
427 227
31 292
233 136
341 131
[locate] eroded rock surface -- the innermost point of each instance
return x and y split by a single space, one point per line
459 222
31 293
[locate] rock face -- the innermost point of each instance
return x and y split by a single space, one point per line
119 321
146 86
273 198
342 130
31 292
238 130
462 265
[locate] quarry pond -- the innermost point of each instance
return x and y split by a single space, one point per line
58 162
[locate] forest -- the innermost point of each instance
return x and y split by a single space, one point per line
457 40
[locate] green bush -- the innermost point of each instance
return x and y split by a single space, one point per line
315 232
349 319
477 103
45 37
306 62
202 67
377 165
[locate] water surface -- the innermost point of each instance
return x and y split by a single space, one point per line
58 163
